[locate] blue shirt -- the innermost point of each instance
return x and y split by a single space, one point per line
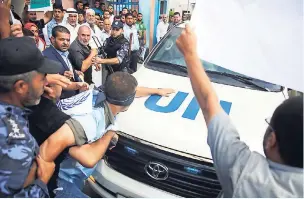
50 26
18 150
94 125
98 11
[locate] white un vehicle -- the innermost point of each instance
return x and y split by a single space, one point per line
162 149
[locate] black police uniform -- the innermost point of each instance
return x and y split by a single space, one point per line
117 47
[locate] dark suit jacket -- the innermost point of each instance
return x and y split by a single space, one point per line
52 54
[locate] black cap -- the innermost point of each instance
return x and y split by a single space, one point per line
20 55
117 24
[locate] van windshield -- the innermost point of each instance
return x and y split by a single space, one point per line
169 58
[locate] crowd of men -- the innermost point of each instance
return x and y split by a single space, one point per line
102 22
56 124
56 121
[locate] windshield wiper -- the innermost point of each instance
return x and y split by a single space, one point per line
243 79
181 68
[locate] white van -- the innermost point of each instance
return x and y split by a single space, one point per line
162 150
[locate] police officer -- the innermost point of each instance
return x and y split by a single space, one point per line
116 49
23 72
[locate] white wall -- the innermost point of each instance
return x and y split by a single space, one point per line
180 5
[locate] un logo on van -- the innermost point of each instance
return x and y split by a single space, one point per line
190 112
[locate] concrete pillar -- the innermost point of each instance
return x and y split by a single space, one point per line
152 21
68 4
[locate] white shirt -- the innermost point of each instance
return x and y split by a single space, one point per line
46 37
161 30
127 32
104 36
111 18
95 33
73 30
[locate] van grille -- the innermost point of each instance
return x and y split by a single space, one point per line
187 177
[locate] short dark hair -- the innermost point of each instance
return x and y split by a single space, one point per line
287 124
78 2
117 17
120 85
60 29
27 33
177 13
102 4
80 12
129 14
58 6
86 5
97 14
140 14
125 8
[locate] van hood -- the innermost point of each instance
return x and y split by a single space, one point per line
177 131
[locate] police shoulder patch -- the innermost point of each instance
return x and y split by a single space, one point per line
14 129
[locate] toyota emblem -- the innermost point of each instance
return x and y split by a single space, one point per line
157 171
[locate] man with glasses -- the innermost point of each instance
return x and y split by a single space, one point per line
116 48
241 172
162 28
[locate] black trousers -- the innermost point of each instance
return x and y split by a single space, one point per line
105 73
134 60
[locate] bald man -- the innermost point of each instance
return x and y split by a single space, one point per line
81 54
106 32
